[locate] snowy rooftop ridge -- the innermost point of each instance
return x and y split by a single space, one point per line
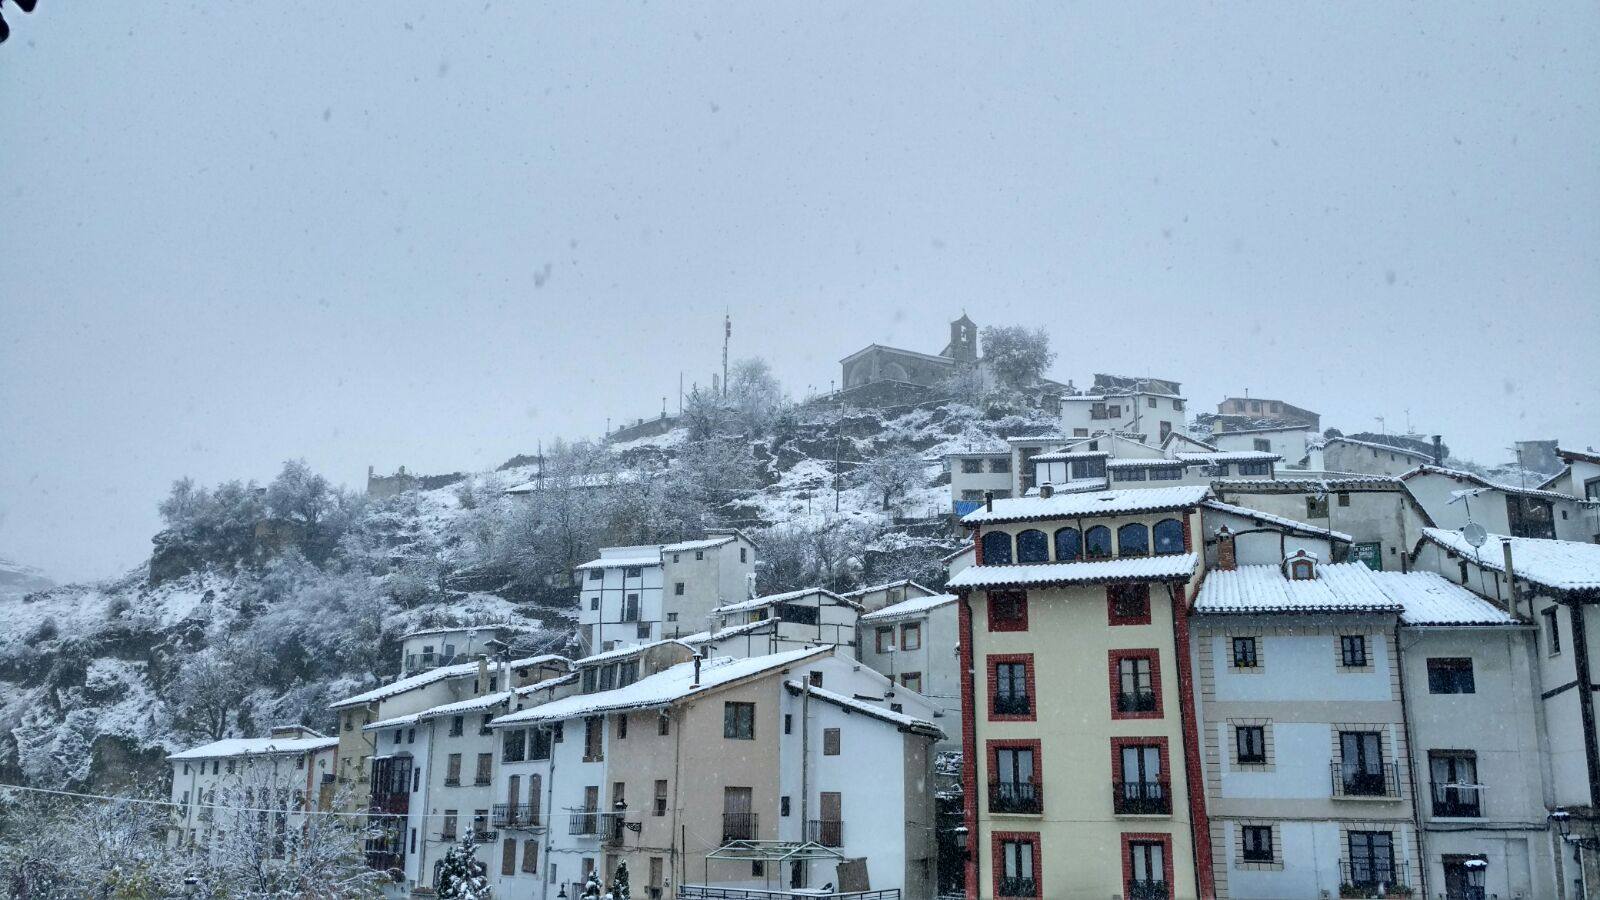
1069 455
1103 503
770 599
899 720
663 688
1556 565
1338 587
903 582
1374 445
703 637
1482 482
916 606
1174 567
256 747
1281 521
1432 599
423 679
629 650
1227 456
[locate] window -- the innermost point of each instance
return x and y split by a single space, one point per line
622 727
1001 465
1080 432
699 554
594 603
885 638
739 721
1147 869
1150 402
1255 843
1097 542
1262 445
1133 539
1454 777
1069 544
630 608
783 805
398 733
1344 498
972 466
448 829
677 588
1135 684
452 769
485 768
631 572
1552 630
1361 768
1250 743
508 857
1011 688
1262 467
911 681
483 723
1451 675
530 857
788 723
1033 546
593 739
1169 536
1166 473
541 744
1245 655
1128 473
997 549
1317 507
743 554
1371 859
1013 787
513 743
1114 411
1014 870
663 723
1008 611
1141 782
815 678
594 574
659 808
830 742
1353 651
798 614
911 636
1128 604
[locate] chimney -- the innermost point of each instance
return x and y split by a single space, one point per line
483 675
988 501
1046 491
696 671
1438 450
1511 576
1227 561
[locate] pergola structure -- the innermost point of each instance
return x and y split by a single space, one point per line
777 852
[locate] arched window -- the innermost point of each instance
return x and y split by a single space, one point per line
997 549
1097 542
1169 536
1069 545
1133 539
1033 546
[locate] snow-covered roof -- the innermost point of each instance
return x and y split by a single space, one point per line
1175 567
702 544
266 746
396 722
618 562
969 454
450 629
629 650
1223 456
704 637
950 557
1135 463
663 688
899 720
904 582
1482 482
1070 455
1338 587
423 679
916 606
1180 436
471 704
1374 445
1568 454
1556 565
1280 521
1431 599
546 684
770 599
1309 485
1104 503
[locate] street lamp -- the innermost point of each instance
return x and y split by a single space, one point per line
1562 820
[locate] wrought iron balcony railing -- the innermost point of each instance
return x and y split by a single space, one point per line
1141 798
1016 797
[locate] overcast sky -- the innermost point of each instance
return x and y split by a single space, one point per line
431 234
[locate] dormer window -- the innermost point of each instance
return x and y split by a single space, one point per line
1302 566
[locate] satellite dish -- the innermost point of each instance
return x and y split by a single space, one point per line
1474 534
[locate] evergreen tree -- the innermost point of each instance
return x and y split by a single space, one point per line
462 876
619 882
591 887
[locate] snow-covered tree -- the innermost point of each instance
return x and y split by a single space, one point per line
591 887
207 694
754 396
891 474
1017 356
462 876
619 883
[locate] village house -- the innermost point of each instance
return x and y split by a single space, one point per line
1579 477
1354 457
769 771
1377 513
913 644
1246 412
1294 444
809 617
1453 498
875 597
634 595
975 472
1075 648
1144 406
290 773
429 648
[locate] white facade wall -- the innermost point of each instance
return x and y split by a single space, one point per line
935 660
201 789
1289 444
994 474
1385 517
1155 415
603 601
1344 456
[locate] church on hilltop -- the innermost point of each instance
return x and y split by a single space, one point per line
875 362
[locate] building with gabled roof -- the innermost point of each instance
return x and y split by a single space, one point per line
635 595
913 644
289 773
1454 497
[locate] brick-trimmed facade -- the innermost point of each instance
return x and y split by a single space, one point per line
1114 660
969 744
991 662
1199 821
1019 622
1117 592
1158 741
997 863
1129 838
991 760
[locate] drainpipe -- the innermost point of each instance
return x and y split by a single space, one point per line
1411 766
805 762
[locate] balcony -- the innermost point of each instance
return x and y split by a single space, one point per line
518 815
1026 798
827 832
482 779
1456 801
1377 877
1141 798
739 827
585 822
1149 890
1011 704
1136 701
1018 887
1373 783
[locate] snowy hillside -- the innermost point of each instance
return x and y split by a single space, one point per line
261 606
17 579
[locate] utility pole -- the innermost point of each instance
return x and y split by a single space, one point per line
680 392
727 332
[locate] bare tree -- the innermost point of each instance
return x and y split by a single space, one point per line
207 693
892 474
